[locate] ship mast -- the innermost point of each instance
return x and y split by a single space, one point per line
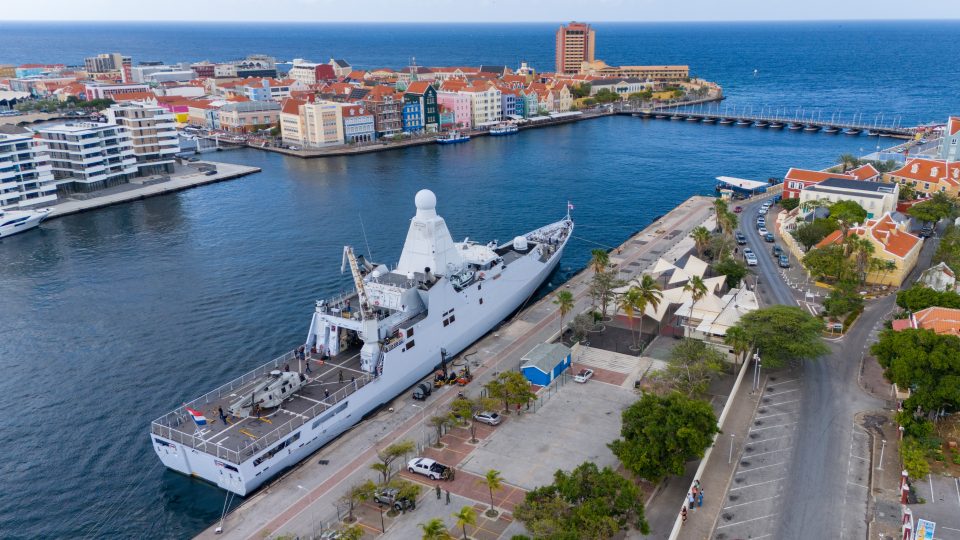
348 256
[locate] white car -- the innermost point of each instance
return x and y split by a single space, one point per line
583 376
762 231
429 468
487 417
750 258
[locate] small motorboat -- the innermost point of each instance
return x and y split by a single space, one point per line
453 137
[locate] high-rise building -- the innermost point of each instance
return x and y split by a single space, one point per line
88 156
26 177
109 63
575 44
153 131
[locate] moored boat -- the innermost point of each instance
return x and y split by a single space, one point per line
453 137
500 130
17 221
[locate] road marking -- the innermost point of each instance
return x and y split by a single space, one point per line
932 496
770 415
771 427
785 391
746 521
781 403
957 482
765 453
858 457
764 467
758 484
858 485
751 502
771 439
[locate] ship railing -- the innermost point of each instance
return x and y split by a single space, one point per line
250 449
194 441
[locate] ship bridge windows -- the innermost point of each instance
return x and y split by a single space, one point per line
273 451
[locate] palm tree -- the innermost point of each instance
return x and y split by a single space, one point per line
719 206
697 289
648 294
434 530
466 516
564 301
813 204
862 251
729 223
701 239
599 261
494 482
848 161
628 303
737 338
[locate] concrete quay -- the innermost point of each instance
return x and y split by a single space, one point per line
133 192
302 501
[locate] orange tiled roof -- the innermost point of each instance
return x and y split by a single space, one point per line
291 106
418 87
884 231
930 170
865 172
357 74
133 96
806 175
939 319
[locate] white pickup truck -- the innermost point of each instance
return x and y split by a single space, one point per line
431 469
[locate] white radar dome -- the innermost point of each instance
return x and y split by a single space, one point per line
520 243
426 200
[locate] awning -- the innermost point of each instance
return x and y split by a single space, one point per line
742 183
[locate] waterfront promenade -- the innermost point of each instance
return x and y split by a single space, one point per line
294 504
191 178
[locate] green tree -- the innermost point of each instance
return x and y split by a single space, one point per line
564 302
605 95
581 90
648 294
599 260
434 529
811 206
810 234
921 297
581 324
924 361
848 161
789 204
601 289
510 387
733 269
493 482
701 239
938 207
862 251
691 365
783 333
828 262
465 516
728 222
914 458
351 532
588 503
464 409
697 289
390 454
843 299
438 423
721 246
948 251
720 207
737 338
660 435
907 193
845 214
356 495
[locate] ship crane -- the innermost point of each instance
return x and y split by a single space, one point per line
351 258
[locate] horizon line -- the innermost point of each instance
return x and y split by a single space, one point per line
620 21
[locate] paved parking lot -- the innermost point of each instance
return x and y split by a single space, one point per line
942 494
754 499
573 426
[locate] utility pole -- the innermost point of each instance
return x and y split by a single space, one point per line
756 370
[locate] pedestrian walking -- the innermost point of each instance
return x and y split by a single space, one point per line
341 375
690 500
223 417
700 499
695 492
683 514
697 484
308 368
326 392
448 497
438 492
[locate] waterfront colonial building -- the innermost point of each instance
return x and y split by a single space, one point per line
485 105
88 156
247 116
509 99
575 45
797 179
358 124
877 198
26 175
928 176
291 122
386 106
341 68
309 73
411 119
599 68
459 105
153 132
426 96
622 86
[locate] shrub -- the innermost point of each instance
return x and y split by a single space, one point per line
914 458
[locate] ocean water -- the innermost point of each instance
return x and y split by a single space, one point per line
108 319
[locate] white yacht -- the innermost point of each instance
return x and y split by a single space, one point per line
361 351
16 221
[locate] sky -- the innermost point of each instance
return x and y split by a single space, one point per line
477 10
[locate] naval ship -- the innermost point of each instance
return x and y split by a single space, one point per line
362 350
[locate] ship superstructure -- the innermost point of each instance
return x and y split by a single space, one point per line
361 351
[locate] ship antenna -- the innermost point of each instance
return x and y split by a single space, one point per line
364 231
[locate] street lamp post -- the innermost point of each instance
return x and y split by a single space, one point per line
730 457
756 370
313 517
422 417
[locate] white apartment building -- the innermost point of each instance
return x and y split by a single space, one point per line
153 131
323 123
485 105
89 156
26 175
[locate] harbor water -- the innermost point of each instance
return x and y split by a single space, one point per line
108 319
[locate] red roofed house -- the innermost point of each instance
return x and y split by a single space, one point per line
950 143
891 242
797 179
929 176
945 321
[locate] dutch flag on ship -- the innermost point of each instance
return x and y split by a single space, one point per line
198 416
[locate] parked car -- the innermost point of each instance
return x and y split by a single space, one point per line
750 257
761 222
737 209
421 391
583 376
776 250
331 534
783 261
430 468
388 497
487 417
741 239
768 237
763 231
926 231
